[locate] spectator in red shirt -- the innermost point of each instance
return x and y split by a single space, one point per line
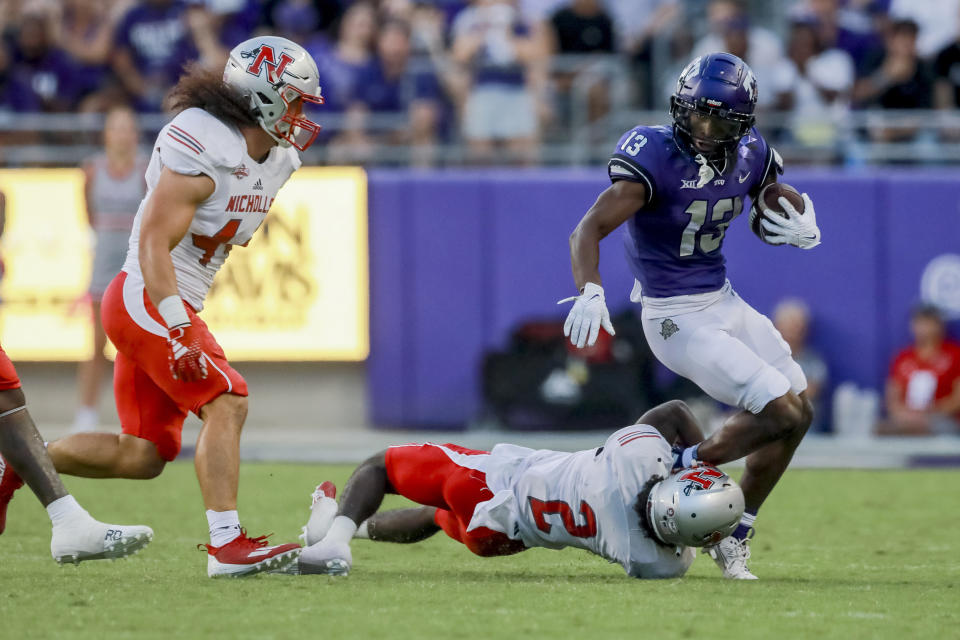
923 389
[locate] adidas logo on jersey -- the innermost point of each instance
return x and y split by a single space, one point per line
258 185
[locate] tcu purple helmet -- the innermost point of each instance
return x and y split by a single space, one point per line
694 507
713 105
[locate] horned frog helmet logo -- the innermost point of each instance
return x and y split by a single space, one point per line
750 84
691 69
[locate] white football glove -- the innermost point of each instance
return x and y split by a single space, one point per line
588 314
797 229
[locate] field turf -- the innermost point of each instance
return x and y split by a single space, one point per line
840 554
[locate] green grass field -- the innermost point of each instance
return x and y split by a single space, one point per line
840 554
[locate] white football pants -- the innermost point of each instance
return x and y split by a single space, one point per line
724 345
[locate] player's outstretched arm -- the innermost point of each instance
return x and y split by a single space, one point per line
617 204
402 525
675 422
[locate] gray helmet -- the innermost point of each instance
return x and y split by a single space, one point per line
694 507
277 76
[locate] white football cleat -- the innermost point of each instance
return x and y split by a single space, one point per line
329 558
323 509
87 539
731 556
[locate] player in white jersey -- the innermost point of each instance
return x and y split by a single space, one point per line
619 501
214 172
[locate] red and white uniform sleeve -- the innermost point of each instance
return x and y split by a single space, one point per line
196 143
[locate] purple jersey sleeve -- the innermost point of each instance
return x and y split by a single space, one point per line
121 34
17 95
157 37
426 86
636 158
239 23
767 161
65 70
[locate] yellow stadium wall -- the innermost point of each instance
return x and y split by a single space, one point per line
298 292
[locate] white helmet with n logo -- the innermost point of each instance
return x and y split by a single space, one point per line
278 76
694 507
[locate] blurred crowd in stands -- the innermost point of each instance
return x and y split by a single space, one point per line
496 75
493 73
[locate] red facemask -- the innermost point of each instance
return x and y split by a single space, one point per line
299 131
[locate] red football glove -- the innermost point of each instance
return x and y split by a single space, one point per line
187 362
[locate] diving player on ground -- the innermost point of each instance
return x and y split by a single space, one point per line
213 175
619 501
678 189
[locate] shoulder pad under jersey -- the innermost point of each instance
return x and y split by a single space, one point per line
196 142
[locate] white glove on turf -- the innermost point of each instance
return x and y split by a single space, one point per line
797 229
588 314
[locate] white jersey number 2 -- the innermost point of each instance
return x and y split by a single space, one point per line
543 508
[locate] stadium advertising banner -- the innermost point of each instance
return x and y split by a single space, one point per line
299 291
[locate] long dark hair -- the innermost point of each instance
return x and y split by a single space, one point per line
641 508
205 89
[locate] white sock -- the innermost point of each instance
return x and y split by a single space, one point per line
363 530
224 527
66 508
747 519
341 530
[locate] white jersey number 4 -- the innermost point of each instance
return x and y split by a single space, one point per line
210 244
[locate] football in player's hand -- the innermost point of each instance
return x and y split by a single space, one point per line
770 197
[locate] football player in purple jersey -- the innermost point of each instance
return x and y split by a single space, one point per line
678 188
